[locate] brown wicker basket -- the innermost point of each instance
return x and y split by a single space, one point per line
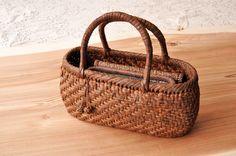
131 98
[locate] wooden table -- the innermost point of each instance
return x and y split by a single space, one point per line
34 120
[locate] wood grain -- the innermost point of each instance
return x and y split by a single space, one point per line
34 120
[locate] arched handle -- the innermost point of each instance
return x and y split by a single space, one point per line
148 25
119 16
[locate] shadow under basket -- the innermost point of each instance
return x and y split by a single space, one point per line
128 90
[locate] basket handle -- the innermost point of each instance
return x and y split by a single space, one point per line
148 25
119 16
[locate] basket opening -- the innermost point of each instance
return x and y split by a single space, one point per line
123 58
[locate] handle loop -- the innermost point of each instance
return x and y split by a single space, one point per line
140 25
119 16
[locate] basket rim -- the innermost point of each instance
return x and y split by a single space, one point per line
178 88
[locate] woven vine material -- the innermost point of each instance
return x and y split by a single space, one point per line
164 105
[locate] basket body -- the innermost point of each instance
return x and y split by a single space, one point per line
165 111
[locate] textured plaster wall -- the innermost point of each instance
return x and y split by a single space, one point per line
30 22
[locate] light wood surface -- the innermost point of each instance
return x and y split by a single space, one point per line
34 120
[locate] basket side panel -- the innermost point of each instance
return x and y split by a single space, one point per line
72 90
151 113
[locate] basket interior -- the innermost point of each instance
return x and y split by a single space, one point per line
122 58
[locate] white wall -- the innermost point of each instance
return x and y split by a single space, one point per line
33 22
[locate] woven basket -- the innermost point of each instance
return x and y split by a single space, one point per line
126 97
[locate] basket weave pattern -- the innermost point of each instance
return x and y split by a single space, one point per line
159 109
